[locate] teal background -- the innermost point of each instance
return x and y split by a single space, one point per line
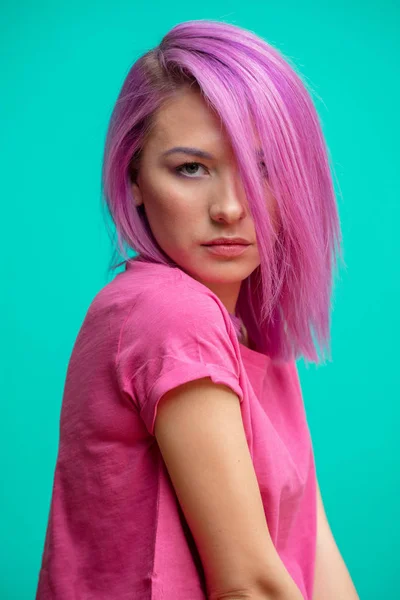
62 68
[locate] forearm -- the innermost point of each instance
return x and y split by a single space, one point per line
332 579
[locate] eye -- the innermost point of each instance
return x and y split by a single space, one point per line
191 166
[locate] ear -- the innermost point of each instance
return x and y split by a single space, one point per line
134 178
136 194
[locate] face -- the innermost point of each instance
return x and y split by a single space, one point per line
192 198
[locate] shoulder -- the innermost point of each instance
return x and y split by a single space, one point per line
165 297
153 301
136 287
176 331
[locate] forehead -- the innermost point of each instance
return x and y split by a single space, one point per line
187 116
188 120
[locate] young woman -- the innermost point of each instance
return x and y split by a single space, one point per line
185 468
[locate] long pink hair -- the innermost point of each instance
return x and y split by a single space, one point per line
285 303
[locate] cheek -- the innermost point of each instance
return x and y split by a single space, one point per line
174 201
172 214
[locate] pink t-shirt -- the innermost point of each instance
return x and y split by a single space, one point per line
116 530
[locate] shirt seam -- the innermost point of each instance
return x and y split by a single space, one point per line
184 362
157 525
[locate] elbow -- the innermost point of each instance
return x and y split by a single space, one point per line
285 590
292 594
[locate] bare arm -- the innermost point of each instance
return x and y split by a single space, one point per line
332 579
200 433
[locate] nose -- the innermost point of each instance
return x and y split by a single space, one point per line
229 199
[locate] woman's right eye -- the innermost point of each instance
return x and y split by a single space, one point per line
191 165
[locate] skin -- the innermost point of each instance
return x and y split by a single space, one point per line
202 201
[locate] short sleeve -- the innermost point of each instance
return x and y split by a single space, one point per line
173 335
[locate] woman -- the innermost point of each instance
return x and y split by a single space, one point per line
185 467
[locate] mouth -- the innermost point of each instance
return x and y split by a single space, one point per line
226 249
228 243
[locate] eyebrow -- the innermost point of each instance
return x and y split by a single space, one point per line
190 151
197 152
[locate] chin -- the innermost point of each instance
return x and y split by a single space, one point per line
222 273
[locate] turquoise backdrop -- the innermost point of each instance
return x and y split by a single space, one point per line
62 67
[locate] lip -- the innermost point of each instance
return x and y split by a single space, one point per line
229 250
227 240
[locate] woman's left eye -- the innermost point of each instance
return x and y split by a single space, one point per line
191 165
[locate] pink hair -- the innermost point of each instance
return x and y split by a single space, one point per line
286 300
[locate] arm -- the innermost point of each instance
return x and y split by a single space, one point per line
332 580
199 430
